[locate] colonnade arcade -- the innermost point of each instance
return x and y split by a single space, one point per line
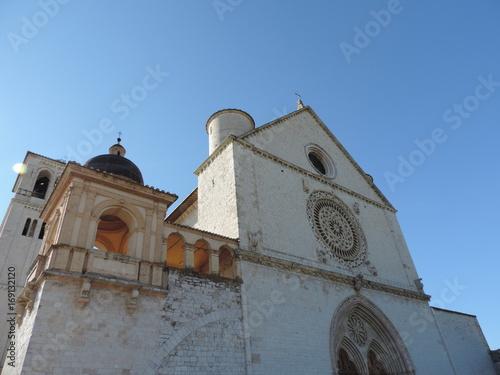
182 247
200 255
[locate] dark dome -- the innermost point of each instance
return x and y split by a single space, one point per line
117 165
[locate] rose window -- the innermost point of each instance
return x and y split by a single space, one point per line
336 229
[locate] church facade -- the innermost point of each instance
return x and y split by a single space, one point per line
285 259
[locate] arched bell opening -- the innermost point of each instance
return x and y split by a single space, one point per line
41 185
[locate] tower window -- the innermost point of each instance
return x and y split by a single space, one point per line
26 227
41 187
42 231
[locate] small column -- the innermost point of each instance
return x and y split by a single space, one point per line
214 262
86 225
163 254
189 256
91 232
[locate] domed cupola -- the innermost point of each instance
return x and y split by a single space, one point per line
116 163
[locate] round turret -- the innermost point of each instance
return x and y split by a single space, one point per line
226 122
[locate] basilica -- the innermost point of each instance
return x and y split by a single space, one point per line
284 259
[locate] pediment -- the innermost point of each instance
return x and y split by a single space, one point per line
301 137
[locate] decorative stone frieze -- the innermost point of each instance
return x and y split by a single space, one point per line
290 266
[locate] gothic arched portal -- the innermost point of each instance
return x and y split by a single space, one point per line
364 341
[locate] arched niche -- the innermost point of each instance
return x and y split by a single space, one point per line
116 231
362 337
227 264
112 234
201 257
175 250
127 213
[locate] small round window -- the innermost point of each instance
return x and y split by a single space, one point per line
320 160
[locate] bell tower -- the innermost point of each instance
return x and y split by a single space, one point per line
22 230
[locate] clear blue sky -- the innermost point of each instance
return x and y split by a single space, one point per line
385 76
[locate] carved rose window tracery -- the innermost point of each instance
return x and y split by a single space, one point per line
336 229
356 330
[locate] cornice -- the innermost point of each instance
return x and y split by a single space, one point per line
98 280
286 265
212 235
186 213
215 154
33 206
184 207
126 186
229 110
275 122
74 170
54 162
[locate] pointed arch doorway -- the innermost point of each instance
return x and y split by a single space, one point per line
364 342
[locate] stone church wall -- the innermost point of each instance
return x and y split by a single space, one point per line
301 344
416 326
273 208
195 328
288 319
202 331
465 342
102 338
217 212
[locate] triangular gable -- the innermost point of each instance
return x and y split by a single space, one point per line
287 138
